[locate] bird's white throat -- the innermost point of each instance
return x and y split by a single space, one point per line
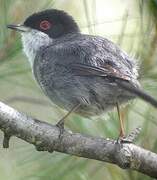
32 41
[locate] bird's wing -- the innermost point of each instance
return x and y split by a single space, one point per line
105 71
98 56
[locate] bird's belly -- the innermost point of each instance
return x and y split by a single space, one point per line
95 95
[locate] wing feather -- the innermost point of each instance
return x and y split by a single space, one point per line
105 71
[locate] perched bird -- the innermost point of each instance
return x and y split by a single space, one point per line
78 72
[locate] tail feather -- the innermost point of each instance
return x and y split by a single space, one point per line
138 92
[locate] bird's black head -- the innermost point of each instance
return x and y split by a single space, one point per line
53 22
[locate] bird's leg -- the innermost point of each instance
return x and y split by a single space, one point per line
61 122
121 134
122 138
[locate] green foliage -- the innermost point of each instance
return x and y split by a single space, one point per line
133 26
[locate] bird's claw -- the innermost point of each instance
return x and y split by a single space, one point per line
130 138
60 125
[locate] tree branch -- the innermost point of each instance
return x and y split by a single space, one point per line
45 137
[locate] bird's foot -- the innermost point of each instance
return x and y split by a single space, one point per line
6 140
129 138
42 147
60 125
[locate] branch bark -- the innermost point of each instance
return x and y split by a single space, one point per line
45 137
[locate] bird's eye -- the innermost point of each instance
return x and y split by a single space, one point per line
45 25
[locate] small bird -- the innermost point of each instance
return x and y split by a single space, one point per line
81 73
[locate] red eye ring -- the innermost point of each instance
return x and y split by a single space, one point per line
45 25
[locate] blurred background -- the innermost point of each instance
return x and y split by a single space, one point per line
132 25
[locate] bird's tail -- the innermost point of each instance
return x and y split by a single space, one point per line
137 91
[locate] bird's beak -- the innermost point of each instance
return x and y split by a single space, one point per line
20 28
